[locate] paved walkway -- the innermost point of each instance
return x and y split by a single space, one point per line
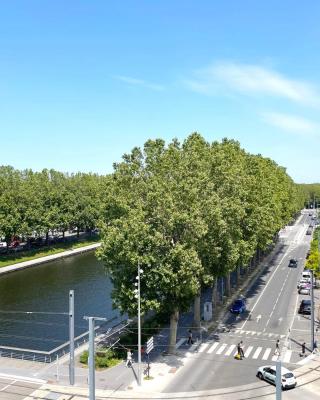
46 259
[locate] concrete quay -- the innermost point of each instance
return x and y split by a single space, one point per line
43 260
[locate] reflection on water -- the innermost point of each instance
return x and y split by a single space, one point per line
46 288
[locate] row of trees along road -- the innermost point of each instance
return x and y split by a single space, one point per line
187 214
34 203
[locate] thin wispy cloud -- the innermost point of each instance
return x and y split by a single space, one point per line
139 82
291 123
252 80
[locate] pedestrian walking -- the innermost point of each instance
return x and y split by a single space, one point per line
277 350
303 349
315 347
190 340
241 349
129 359
239 352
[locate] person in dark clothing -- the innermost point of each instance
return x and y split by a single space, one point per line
303 349
240 350
190 340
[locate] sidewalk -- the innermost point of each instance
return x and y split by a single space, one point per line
46 259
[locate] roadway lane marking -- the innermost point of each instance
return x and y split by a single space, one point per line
230 349
267 284
6 387
257 352
266 353
275 304
203 347
215 344
287 356
221 349
248 351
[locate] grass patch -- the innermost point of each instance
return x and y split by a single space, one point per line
27 255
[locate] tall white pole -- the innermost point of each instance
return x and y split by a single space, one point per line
139 330
92 388
312 313
71 336
278 380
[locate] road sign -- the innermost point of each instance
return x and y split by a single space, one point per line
150 345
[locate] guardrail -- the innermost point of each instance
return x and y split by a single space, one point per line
62 350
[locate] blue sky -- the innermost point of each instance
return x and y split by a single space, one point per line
82 82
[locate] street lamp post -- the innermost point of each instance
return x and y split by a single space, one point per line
312 312
91 361
137 295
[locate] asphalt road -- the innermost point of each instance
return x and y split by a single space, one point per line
11 389
272 303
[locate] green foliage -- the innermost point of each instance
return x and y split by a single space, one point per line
187 213
313 261
34 203
104 358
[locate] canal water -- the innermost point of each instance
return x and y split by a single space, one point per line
45 289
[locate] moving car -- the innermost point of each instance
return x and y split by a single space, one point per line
305 288
238 306
305 307
293 262
268 373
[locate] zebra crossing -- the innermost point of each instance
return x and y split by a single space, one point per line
257 333
250 352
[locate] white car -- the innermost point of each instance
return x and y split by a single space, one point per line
302 282
268 373
305 288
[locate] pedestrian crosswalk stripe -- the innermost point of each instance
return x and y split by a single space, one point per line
230 349
287 356
203 347
274 357
248 351
257 352
220 350
181 341
266 353
215 344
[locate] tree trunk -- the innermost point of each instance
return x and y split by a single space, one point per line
78 232
174 317
238 274
197 312
228 284
47 238
214 294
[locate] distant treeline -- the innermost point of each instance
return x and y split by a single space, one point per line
311 192
32 204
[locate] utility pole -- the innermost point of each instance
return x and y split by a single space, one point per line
71 336
312 312
278 379
137 295
92 384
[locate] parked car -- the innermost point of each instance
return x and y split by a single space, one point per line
238 306
302 282
305 288
293 262
309 231
268 373
305 307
